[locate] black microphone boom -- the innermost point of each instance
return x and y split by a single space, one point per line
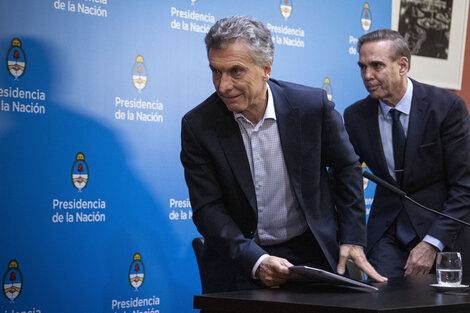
402 194
383 183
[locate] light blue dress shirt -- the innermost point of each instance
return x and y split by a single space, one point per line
279 215
385 126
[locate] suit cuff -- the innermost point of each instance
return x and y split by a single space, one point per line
434 241
255 267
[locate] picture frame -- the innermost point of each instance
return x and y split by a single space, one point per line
436 35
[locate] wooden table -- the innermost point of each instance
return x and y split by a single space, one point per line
412 294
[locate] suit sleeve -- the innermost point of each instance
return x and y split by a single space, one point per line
348 194
211 216
455 140
348 124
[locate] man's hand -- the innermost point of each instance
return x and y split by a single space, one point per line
421 259
356 254
274 271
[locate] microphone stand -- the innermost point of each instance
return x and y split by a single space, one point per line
403 194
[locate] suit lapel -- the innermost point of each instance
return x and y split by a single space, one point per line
415 126
288 123
231 141
376 147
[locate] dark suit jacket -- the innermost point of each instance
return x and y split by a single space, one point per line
437 163
221 186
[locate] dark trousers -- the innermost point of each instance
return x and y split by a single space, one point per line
388 255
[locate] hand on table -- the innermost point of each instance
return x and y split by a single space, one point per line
356 254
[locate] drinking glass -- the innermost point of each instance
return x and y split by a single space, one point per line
449 268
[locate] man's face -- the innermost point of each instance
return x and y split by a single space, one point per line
239 82
384 78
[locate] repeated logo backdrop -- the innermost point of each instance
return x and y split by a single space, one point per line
94 210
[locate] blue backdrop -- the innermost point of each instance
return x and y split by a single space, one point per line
94 210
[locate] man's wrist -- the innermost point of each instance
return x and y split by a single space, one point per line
255 267
436 243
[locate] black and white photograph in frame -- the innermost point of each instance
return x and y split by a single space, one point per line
436 33
425 25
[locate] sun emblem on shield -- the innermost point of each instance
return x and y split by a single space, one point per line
16 59
136 272
80 172
139 73
286 8
365 181
12 281
366 17
327 87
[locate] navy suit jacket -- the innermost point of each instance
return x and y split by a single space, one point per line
437 164
221 187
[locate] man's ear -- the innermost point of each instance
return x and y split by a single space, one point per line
404 65
267 71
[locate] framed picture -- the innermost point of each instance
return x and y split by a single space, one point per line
435 31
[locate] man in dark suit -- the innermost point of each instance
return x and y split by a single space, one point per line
416 137
255 155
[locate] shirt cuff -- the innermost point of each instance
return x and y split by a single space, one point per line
434 241
255 267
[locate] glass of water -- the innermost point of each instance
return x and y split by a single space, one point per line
449 268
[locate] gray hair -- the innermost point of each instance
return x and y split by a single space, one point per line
248 29
399 44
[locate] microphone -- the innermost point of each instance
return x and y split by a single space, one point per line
402 194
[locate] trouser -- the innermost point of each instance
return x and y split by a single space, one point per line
388 255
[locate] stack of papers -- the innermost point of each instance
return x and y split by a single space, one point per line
321 276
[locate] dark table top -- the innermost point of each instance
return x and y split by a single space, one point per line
411 294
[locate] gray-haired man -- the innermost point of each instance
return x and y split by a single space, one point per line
255 155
